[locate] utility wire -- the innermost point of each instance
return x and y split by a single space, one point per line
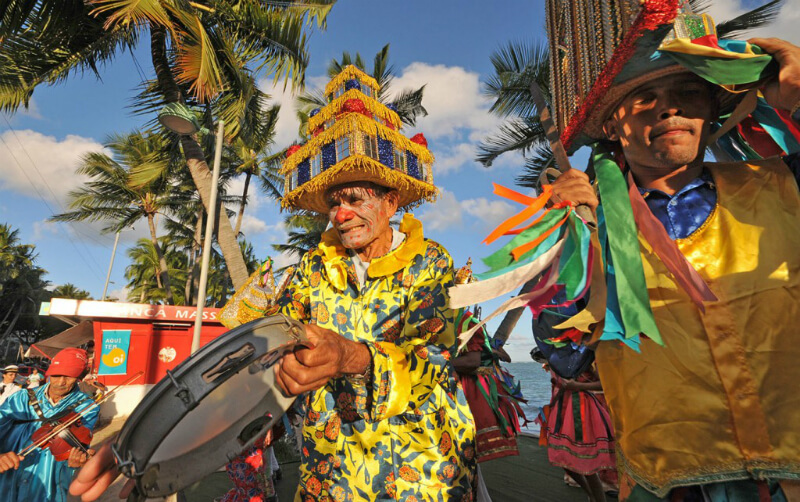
49 208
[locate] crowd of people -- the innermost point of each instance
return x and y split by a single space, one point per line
391 409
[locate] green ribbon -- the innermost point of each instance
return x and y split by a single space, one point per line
502 261
623 241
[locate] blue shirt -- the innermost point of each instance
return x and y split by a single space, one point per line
687 209
39 477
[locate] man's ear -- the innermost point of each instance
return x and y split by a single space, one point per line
392 198
610 129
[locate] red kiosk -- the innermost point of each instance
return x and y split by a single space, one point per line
132 337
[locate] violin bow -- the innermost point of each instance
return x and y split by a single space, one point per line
78 415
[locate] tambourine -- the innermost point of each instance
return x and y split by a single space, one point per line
208 409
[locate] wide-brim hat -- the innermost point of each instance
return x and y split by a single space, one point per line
597 64
353 138
311 195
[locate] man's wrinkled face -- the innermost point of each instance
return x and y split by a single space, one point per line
60 386
664 124
9 377
359 214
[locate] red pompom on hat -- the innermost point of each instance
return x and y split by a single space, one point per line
355 105
420 140
291 150
68 362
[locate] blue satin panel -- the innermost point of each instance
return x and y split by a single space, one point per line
39 477
685 211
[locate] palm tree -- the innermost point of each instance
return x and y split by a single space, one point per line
254 157
145 268
109 195
517 64
14 257
197 49
70 290
22 285
304 233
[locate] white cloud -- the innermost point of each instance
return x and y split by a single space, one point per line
448 212
490 213
40 228
286 130
252 225
31 161
443 214
118 294
785 26
283 260
452 158
452 98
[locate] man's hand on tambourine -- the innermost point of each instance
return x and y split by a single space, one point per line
96 476
329 356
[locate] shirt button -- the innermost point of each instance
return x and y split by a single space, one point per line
673 202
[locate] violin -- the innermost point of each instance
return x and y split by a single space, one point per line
65 431
61 434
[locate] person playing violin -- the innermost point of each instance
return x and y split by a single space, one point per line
39 476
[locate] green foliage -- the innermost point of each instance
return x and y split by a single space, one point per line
22 290
70 290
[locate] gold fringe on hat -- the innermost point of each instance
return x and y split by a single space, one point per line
350 72
311 194
375 107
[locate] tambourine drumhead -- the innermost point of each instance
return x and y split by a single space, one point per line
208 409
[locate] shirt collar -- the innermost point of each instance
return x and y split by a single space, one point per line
705 179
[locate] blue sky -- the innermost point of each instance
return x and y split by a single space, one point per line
443 44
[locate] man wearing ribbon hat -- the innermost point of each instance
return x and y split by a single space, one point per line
9 386
385 417
696 361
37 475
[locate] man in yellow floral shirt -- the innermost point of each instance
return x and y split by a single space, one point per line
385 418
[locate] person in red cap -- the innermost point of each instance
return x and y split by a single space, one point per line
38 476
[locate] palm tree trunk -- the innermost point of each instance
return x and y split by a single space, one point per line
193 277
196 160
162 262
244 203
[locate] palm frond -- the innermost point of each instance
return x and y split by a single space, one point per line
540 158
515 135
408 104
756 18
516 65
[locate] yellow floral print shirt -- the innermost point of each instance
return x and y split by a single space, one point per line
407 433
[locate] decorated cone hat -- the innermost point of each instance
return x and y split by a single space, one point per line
355 137
601 50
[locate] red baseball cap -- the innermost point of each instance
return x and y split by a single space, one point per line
68 362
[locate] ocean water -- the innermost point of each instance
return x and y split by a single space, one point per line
536 389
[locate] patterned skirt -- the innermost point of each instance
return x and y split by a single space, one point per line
494 438
580 436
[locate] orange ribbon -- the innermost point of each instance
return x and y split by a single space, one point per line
521 250
534 205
